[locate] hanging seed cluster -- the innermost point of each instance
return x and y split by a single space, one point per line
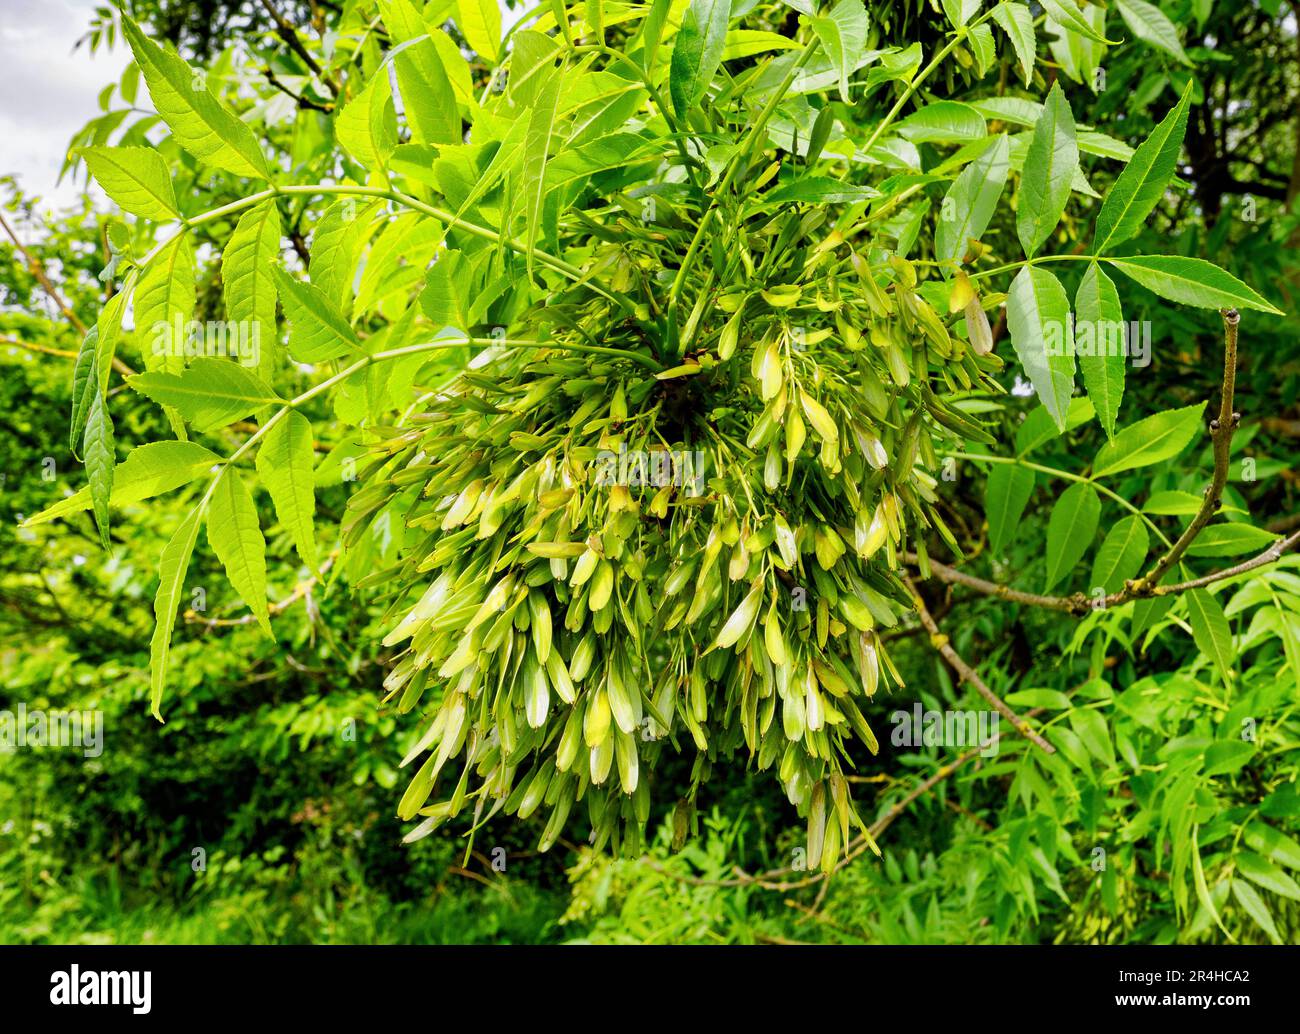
611 564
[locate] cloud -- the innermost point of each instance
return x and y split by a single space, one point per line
49 90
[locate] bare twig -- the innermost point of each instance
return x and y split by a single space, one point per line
954 576
303 102
1079 604
300 590
38 271
1221 435
62 353
290 36
970 676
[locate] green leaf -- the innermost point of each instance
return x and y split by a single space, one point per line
1230 539
1192 281
1050 167
1152 440
108 333
1277 846
480 23
1144 179
818 190
743 43
1225 756
1210 630
164 305
971 201
199 122
1090 727
1038 319
1121 554
595 10
210 393
1250 900
1070 530
1149 24
248 281
171 584
1173 504
943 122
1051 698
652 32
446 298
697 52
1263 872
398 259
284 463
1039 427
1006 495
147 471
367 127
1098 317
533 57
1066 13
84 385
960 12
1018 23
982 48
318 331
136 178
537 149
428 98
843 36
100 462
236 539
335 247
1198 877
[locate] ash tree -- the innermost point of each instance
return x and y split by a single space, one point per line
650 328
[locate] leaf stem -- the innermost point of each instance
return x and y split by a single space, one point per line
1033 262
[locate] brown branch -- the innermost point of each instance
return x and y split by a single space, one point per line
1080 604
954 576
970 676
290 36
1221 435
303 102
1270 556
38 271
300 590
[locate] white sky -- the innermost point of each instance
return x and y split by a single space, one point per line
47 92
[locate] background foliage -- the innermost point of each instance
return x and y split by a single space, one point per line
279 764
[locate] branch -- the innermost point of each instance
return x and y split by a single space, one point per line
39 272
300 590
290 36
1080 604
62 353
1221 431
303 102
953 576
970 676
